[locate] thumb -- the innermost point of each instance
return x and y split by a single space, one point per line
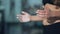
37 11
25 13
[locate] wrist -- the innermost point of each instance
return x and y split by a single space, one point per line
35 18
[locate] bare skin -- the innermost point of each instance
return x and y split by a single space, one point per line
43 17
54 12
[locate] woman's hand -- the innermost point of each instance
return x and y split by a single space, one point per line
24 17
42 13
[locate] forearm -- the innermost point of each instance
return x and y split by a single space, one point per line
35 18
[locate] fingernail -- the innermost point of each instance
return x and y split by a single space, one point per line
17 17
23 12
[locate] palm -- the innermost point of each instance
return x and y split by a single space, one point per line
24 17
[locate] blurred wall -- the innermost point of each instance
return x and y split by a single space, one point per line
14 7
11 9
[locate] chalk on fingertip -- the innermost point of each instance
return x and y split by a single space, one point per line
17 17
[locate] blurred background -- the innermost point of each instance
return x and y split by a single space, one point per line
9 24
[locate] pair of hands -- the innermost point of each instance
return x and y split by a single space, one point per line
25 17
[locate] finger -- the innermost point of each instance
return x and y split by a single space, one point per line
20 19
40 15
37 11
18 15
42 6
25 13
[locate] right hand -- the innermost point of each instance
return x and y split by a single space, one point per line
24 17
42 13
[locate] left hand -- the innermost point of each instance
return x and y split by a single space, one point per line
24 17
